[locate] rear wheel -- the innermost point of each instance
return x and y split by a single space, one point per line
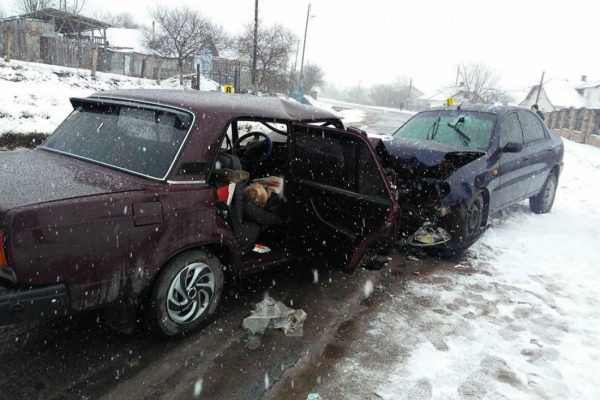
185 295
542 202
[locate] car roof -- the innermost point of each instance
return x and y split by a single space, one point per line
208 104
499 110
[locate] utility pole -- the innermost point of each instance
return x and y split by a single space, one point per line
308 18
409 90
457 75
540 88
358 92
254 77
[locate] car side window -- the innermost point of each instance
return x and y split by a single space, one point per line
511 130
532 127
341 162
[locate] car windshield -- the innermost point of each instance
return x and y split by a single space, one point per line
140 140
458 128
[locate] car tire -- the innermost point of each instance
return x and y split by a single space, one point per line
464 225
542 202
185 295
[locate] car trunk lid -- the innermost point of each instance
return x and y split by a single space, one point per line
31 177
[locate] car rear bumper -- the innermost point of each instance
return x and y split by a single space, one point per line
20 305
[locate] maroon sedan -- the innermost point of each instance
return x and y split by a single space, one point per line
135 205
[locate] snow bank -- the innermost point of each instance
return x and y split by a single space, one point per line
35 97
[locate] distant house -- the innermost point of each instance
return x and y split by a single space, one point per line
54 37
590 91
441 97
555 95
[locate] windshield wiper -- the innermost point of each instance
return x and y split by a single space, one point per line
435 126
466 140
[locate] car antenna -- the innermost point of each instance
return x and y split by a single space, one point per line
458 108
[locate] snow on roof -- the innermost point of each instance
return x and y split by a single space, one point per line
126 39
589 85
562 93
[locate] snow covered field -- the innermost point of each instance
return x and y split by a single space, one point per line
518 318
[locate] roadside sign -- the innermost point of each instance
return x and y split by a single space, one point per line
228 89
450 101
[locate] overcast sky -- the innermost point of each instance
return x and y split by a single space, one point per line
374 41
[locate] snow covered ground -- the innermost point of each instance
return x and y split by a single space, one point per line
518 318
349 116
35 97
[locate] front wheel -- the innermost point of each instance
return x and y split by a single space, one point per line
542 202
464 226
185 295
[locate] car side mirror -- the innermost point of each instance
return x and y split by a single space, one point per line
512 147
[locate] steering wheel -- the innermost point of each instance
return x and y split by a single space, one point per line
256 150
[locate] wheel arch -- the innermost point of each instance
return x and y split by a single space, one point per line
222 251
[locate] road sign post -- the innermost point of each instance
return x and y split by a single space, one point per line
228 89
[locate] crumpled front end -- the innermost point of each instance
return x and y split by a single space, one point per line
423 170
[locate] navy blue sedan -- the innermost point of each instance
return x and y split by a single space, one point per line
455 166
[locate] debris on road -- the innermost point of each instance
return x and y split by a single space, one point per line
420 275
272 314
427 235
313 396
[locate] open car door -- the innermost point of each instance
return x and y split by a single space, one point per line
342 204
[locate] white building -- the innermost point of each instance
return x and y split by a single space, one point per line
590 91
555 94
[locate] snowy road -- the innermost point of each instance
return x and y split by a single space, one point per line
382 121
518 317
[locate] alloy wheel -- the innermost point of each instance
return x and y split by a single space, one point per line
190 293
549 193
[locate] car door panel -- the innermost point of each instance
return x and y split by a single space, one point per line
340 200
513 172
538 145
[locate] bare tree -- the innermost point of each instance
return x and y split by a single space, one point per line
313 76
479 81
274 48
390 95
120 20
27 6
182 33
72 6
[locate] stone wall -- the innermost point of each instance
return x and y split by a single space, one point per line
582 125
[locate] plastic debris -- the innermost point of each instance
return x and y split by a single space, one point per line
272 314
313 396
428 236
261 249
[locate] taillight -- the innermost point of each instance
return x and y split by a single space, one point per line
3 261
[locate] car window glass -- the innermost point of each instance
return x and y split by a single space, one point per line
532 127
435 126
140 140
511 130
342 162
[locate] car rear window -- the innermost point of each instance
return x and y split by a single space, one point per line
435 126
143 140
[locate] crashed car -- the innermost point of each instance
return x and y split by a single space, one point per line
455 166
135 205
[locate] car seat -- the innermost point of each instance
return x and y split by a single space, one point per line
245 232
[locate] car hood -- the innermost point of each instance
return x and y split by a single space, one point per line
32 177
426 158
